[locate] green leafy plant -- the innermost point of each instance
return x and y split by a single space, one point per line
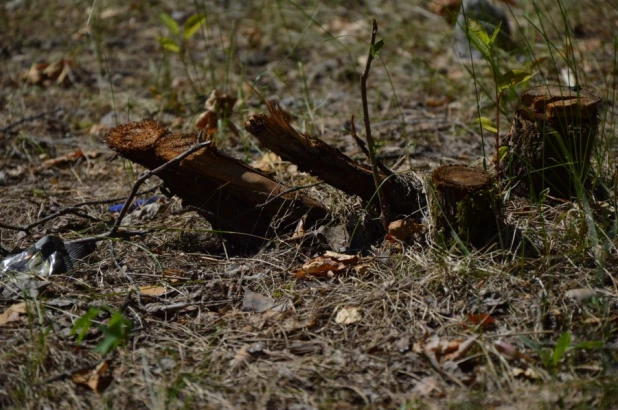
115 332
485 44
176 41
551 357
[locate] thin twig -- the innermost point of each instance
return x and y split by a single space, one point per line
370 141
361 144
27 119
289 190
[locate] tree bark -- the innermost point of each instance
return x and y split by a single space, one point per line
551 140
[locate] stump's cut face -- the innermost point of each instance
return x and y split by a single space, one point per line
461 177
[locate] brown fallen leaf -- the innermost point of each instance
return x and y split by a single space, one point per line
153 290
45 74
218 106
483 320
269 163
362 269
13 313
509 351
403 229
326 265
93 378
347 260
440 350
320 266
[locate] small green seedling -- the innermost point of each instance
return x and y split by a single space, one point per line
115 332
480 40
175 42
551 358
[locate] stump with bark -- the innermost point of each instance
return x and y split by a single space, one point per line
551 140
465 205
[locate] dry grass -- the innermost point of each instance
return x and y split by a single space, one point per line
194 346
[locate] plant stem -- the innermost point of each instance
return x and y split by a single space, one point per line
498 95
370 143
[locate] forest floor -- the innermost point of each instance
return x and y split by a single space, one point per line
171 319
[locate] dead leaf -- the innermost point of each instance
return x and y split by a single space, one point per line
248 354
403 229
269 163
347 260
13 313
218 106
509 351
321 266
94 378
439 350
362 269
207 121
426 386
45 74
326 265
348 315
254 302
153 290
483 320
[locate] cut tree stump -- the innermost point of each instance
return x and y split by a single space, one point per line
241 202
464 205
551 140
314 156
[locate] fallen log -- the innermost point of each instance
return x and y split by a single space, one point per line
239 202
551 140
316 157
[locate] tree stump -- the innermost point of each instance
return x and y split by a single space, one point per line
550 141
464 205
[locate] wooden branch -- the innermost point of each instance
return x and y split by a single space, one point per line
234 197
316 157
